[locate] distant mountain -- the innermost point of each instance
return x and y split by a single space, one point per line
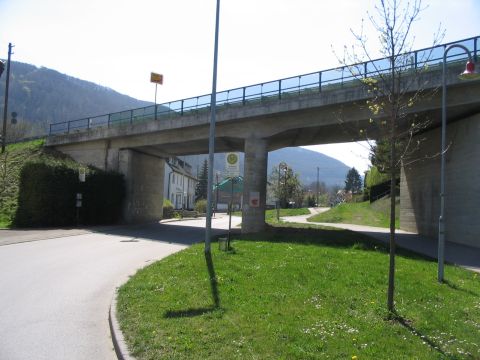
304 162
42 96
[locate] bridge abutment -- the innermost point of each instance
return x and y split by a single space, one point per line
420 185
255 185
144 176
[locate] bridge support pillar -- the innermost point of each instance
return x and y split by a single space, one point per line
144 176
255 185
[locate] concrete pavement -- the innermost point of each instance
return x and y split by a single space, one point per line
56 292
458 254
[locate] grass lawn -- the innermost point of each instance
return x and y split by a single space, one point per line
363 213
271 215
299 294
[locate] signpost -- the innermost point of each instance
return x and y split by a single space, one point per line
156 79
81 178
232 171
232 165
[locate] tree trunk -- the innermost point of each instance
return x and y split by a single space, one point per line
391 269
393 148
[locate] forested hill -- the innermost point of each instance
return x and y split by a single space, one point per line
42 96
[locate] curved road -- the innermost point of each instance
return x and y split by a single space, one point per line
55 292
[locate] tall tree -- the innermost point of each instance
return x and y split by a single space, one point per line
353 181
202 185
395 85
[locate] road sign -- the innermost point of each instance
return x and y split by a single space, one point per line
232 164
156 78
254 199
81 174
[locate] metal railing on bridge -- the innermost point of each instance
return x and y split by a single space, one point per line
320 81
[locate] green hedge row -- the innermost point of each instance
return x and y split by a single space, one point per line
48 195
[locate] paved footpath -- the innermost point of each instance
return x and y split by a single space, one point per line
56 285
462 255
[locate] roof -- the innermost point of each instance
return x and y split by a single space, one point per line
226 185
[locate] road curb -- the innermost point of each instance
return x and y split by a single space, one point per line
119 344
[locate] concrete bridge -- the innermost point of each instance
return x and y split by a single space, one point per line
318 108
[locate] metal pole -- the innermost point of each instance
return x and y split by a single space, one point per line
5 108
318 178
216 192
278 196
441 219
230 214
211 138
156 85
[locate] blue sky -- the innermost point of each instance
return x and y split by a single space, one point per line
117 43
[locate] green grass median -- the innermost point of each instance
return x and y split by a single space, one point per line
296 293
363 213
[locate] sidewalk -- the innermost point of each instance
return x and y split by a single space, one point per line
458 254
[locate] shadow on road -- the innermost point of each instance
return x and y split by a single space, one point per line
170 233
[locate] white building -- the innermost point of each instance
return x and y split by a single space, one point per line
180 184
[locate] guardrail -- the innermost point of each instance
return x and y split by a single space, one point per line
315 82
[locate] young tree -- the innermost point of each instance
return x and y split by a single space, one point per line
353 181
202 185
286 185
395 86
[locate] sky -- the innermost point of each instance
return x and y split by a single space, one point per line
117 43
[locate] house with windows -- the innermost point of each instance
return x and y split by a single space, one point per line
180 184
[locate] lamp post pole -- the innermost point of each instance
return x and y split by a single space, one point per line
469 73
5 108
211 138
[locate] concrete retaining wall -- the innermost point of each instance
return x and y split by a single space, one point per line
420 185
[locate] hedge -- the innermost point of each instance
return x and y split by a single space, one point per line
47 196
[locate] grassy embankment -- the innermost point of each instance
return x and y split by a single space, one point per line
363 213
297 294
11 163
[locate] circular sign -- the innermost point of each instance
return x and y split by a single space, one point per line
232 159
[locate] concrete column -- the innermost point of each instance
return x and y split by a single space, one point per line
255 185
144 177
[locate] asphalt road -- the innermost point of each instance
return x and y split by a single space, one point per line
55 290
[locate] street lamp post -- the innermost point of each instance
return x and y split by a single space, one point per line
211 137
469 73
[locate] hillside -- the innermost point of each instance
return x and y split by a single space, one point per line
42 96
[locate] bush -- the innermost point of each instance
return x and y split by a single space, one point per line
201 206
48 195
167 209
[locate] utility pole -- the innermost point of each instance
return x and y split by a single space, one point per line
5 108
318 175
